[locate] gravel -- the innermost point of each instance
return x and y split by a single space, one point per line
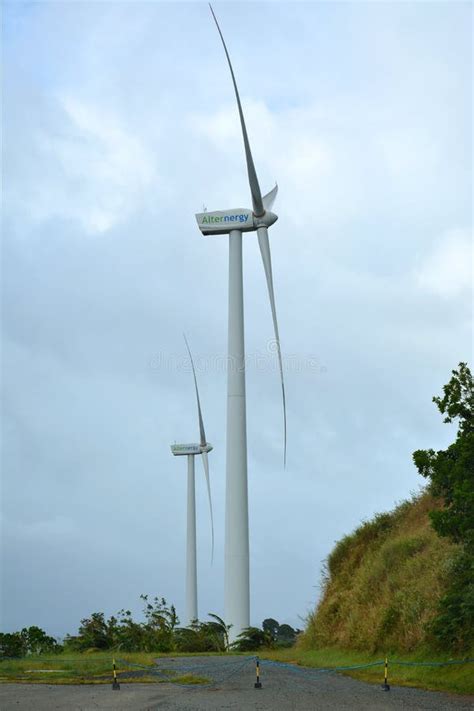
283 689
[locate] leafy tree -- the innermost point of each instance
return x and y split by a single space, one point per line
222 630
250 639
451 476
199 637
160 624
11 645
131 635
271 626
279 635
286 636
189 639
36 641
451 472
92 633
31 640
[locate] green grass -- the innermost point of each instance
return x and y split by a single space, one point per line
88 668
457 679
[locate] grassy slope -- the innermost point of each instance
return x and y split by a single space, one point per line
383 583
381 589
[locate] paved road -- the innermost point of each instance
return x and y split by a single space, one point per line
283 690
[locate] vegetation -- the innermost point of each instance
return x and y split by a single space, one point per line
31 640
403 583
158 632
272 636
155 633
383 583
88 668
451 476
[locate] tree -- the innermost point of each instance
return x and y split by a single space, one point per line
250 639
92 633
286 636
451 476
451 472
199 637
271 626
222 628
11 645
160 624
31 640
36 641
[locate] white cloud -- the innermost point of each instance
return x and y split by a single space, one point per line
90 167
110 164
447 271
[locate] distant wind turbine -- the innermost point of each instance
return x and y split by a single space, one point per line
234 223
191 450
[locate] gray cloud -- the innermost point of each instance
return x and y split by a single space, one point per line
120 123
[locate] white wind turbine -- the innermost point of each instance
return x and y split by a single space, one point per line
234 223
191 450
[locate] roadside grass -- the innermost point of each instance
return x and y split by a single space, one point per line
458 679
90 668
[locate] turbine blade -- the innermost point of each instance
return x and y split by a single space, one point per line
201 422
267 264
205 462
257 203
269 198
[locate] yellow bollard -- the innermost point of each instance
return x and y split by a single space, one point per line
385 685
115 684
257 684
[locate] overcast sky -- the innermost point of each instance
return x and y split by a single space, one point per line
120 124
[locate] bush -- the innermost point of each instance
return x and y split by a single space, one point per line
31 640
249 640
454 626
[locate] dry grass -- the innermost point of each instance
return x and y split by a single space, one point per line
383 583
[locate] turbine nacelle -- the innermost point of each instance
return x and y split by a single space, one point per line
221 222
180 450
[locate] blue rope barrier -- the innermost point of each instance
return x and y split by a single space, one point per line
197 669
305 670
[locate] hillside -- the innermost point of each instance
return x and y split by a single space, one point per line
383 582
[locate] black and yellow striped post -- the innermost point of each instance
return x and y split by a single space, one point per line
385 685
257 684
115 684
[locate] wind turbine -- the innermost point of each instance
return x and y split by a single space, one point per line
234 223
191 450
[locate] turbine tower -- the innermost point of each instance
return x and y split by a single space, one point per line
234 223
191 450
